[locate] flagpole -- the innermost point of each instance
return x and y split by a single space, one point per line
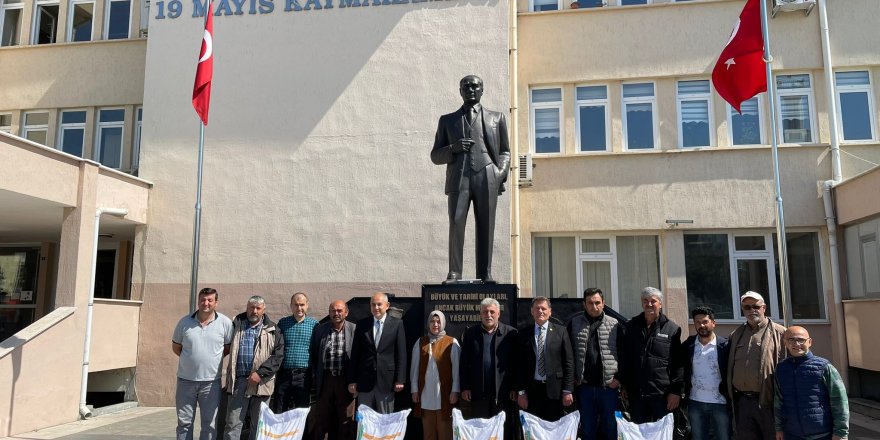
782 250
197 223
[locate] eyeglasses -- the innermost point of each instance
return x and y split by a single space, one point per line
797 341
752 307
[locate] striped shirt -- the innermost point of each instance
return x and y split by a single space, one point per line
296 341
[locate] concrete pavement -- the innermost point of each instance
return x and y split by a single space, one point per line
159 423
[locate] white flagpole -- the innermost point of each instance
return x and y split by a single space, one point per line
197 224
780 216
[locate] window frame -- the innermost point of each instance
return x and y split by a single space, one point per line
546 105
6 128
811 104
35 31
70 15
872 111
8 7
769 256
559 6
100 126
612 299
654 117
136 141
108 8
73 126
578 103
647 2
762 132
25 129
679 98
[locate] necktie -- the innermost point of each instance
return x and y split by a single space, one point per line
472 114
542 368
377 332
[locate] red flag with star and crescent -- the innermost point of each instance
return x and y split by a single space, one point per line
201 98
739 73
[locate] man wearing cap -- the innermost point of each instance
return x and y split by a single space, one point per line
755 349
810 401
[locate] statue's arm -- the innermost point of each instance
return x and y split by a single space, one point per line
442 152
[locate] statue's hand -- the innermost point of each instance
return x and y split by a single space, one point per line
462 145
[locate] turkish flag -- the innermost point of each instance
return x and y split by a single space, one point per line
739 73
205 70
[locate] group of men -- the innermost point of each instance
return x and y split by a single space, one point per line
595 361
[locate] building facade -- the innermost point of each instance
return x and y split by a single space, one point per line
629 170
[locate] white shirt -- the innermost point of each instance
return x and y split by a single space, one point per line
430 398
706 375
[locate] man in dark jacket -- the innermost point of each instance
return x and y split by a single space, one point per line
255 356
546 368
705 378
486 367
650 361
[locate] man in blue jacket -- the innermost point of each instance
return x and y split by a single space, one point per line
705 374
810 401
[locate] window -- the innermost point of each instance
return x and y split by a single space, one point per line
136 145
863 258
591 3
72 132
36 127
720 267
795 108
634 2
116 26
108 150
619 265
855 101
80 26
638 116
745 127
592 118
545 5
6 123
10 22
45 21
693 113
546 120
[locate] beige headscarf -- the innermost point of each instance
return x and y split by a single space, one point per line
442 331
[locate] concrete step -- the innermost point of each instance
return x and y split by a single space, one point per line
111 409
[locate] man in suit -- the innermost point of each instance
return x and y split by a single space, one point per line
705 378
546 367
472 142
486 367
378 356
330 349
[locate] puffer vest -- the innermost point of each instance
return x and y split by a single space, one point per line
579 330
806 408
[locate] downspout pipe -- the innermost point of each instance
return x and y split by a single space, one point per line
84 410
513 59
836 177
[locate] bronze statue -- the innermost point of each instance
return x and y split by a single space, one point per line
472 143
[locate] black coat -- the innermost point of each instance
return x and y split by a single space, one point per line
471 362
722 345
651 359
378 368
558 360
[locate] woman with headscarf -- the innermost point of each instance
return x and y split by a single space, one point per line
434 378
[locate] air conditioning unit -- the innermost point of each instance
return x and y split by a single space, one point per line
796 136
525 170
793 5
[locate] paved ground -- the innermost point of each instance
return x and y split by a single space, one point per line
159 423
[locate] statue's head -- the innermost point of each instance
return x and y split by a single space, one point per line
471 89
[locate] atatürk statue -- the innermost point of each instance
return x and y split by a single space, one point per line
472 142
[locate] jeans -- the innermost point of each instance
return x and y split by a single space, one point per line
704 416
205 394
597 405
239 407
